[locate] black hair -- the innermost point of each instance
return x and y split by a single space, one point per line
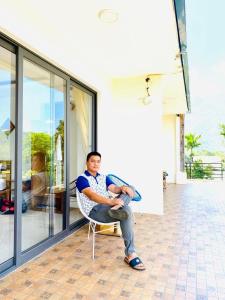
93 153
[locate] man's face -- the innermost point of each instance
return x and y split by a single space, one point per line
35 163
93 164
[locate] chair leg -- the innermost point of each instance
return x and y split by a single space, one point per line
93 245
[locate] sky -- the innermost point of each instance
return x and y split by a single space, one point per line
206 58
36 105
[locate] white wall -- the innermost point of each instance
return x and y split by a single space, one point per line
169 147
129 133
130 139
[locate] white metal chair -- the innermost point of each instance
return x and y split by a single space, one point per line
81 201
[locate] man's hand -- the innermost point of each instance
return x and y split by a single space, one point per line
117 201
127 190
101 199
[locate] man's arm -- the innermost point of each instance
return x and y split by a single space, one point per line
121 189
101 199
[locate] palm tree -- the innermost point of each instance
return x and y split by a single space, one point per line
191 142
222 128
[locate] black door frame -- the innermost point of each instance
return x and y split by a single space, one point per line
21 53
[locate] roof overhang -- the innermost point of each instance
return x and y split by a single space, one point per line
182 38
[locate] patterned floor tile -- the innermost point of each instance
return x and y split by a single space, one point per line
183 251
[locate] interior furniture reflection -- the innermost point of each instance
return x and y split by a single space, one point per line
6 183
54 197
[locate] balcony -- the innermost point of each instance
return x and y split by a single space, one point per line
183 251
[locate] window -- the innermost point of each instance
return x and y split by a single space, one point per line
80 138
7 151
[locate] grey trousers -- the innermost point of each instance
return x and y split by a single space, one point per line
100 213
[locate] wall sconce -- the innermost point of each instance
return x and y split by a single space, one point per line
147 99
72 105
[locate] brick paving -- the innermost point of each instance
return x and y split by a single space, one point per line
183 251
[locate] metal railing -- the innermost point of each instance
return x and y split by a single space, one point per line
204 170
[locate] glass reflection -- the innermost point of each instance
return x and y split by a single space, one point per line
36 153
80 139
43 154
7 152
58 194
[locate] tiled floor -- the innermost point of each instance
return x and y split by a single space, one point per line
183 250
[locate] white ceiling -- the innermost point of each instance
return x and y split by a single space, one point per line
143 40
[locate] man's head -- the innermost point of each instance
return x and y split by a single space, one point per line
38 162
93 162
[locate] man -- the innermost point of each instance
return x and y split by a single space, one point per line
95 187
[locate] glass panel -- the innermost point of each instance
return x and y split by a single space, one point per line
36 163
58 194
7 152
80 139
43 154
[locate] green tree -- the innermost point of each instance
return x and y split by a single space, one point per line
222 130
60 131
192 142
199 170
35 142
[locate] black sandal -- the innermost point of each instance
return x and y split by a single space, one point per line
134 263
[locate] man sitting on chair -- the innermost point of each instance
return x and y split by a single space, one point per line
95 187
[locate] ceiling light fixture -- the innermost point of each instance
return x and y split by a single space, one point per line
108 16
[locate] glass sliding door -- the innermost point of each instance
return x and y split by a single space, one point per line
36 149
80 139
35 100
7 152
43 154
58 193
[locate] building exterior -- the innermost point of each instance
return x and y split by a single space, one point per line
75 77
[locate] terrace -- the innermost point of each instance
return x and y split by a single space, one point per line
183 251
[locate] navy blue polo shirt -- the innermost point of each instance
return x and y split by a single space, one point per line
82 182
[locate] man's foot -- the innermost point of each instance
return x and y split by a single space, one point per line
134 262
119 214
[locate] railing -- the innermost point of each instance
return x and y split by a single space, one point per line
202 170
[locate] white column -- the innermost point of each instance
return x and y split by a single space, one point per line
181 177
130 136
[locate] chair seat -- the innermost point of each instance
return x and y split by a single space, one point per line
92 223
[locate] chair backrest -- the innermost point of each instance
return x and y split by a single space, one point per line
73 188
82 204
119 182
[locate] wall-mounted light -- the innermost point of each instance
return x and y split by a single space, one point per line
147 99
72 105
